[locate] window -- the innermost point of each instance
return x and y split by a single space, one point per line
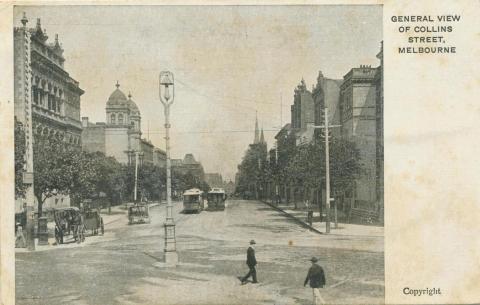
120 119
35 96
112 118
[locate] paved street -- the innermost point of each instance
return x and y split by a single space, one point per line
122 267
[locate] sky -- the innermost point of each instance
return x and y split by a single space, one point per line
231 64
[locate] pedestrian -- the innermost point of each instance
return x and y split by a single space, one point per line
309 213
316 277
251 263
20 241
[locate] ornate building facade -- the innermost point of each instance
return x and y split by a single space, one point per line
47 98
55 95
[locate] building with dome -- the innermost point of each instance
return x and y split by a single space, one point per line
120 136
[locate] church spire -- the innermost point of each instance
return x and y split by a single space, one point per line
262 138
256 139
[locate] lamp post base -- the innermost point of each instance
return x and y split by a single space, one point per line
171 259
171 256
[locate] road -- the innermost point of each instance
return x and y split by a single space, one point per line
122 267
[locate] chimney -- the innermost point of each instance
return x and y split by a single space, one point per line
84 121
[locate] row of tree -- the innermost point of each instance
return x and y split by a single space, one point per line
298 168
64 169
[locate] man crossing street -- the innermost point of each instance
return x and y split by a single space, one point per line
251 263
316 277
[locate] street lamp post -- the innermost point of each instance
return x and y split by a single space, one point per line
166 81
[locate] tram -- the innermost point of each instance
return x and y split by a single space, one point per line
193 201
216 199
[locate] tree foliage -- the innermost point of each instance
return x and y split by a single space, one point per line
300 166
64 169
252 169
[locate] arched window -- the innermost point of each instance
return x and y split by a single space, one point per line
112 119
120 119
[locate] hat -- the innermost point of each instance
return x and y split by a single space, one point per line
252 242
314 259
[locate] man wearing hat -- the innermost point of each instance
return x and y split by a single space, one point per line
251 262
316 277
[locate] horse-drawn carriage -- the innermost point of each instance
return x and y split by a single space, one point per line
69 223
94 222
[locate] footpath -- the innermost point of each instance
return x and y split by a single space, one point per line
117 217
300 216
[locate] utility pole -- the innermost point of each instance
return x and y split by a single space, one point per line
23 113
135 188
136 179
171 256
327 172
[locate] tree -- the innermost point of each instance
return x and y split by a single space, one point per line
55 164
345 164
152 179
251 169
306 167
19 141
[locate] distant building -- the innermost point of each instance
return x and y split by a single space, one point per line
188 165
302 114
326 94
284 143
193 166
214 179
42 84
159 158
120 137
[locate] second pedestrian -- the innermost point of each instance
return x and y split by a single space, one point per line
251 263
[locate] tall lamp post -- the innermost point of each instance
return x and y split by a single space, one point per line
166 82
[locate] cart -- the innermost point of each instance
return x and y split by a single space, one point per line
138 213
94 222
69 222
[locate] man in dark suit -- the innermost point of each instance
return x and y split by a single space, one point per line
316 277
251 263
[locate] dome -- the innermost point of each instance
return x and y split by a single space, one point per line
117 98
132 106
